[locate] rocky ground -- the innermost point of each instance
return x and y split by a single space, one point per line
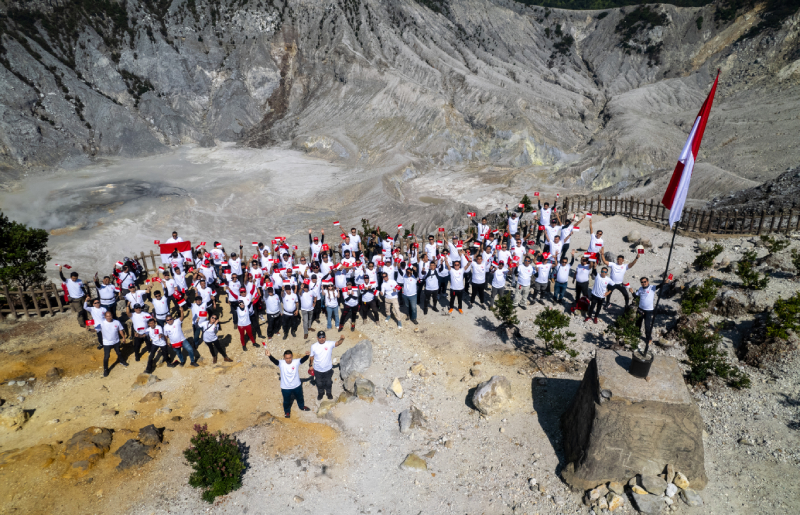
349 460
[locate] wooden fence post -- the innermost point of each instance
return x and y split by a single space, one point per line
58 297
47 299
761 221
11 309
24 304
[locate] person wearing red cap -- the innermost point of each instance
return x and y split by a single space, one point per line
315 245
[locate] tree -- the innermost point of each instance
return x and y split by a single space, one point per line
746 270
526 201
23 254
705 359
551 324
698 297
505 310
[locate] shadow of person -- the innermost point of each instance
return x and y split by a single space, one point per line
550 401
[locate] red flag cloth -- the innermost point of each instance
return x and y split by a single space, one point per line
675 196
183 247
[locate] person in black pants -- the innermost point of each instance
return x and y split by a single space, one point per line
369 304
600 291
430 280
646 308
322 364
291 387
350 307
157 346
273 303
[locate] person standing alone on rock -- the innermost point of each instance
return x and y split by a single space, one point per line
322 363
646 294
291 387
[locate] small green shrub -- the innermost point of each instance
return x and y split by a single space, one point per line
626 330
706 259
699 22
526 201
505 310
216 461
551 323
774 245
746 270
785 317
705 358
698 298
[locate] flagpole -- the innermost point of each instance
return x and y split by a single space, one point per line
663 279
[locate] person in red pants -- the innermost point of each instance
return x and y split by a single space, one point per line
245 327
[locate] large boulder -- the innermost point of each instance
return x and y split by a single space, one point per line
85 449
634 426
493 395
357 359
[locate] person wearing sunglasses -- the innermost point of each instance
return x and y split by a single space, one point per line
646 294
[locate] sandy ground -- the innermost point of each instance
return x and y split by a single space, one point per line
348 463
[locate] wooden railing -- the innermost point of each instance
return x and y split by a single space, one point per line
47 298
717 221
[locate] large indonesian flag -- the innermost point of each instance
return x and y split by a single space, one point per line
184 247
675 196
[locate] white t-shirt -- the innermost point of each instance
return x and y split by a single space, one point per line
524 274
290 303
174 332
236 266
388 289
174 240
431 280
430 250
601 284
456 279
595 244
160 308
139 322
552 231
323 355
156 336
217 255
479 272
544 216
354 242
209 330
499 278
273 304
307 301
543 272
582 273
243 316
196 310
106 292
646 297
513 225
617 272
136 297
562 273
110 331
555 248
98 314
409 285
290 374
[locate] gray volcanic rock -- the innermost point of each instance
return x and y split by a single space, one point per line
397 84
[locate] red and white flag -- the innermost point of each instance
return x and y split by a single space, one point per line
183 247
336 223
675 196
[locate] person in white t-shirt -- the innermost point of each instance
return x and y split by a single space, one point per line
307 303
175 238
647 293
430 290
617 274
209 329
112 337
498 272
157 345
561 273
479 269
389 292
595 240
599 292
291 387
456 283
355 243
542 282
291 311
98 314
322 363
315 246
77 294
524 274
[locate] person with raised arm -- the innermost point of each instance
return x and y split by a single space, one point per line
321 356
112 337
315 245
209 329
456 282
617 274
599 292
647 293
291 386
76 292
107 293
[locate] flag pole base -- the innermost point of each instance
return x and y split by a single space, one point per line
640 364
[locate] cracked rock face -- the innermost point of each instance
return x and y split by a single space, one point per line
395 83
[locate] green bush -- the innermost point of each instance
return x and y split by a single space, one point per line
551 323
697 298
706 259
216 461
625 329
774 245
526 201
23 254
746 270
796 261
505 310
785 317
705 358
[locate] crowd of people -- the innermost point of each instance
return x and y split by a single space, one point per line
360 278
